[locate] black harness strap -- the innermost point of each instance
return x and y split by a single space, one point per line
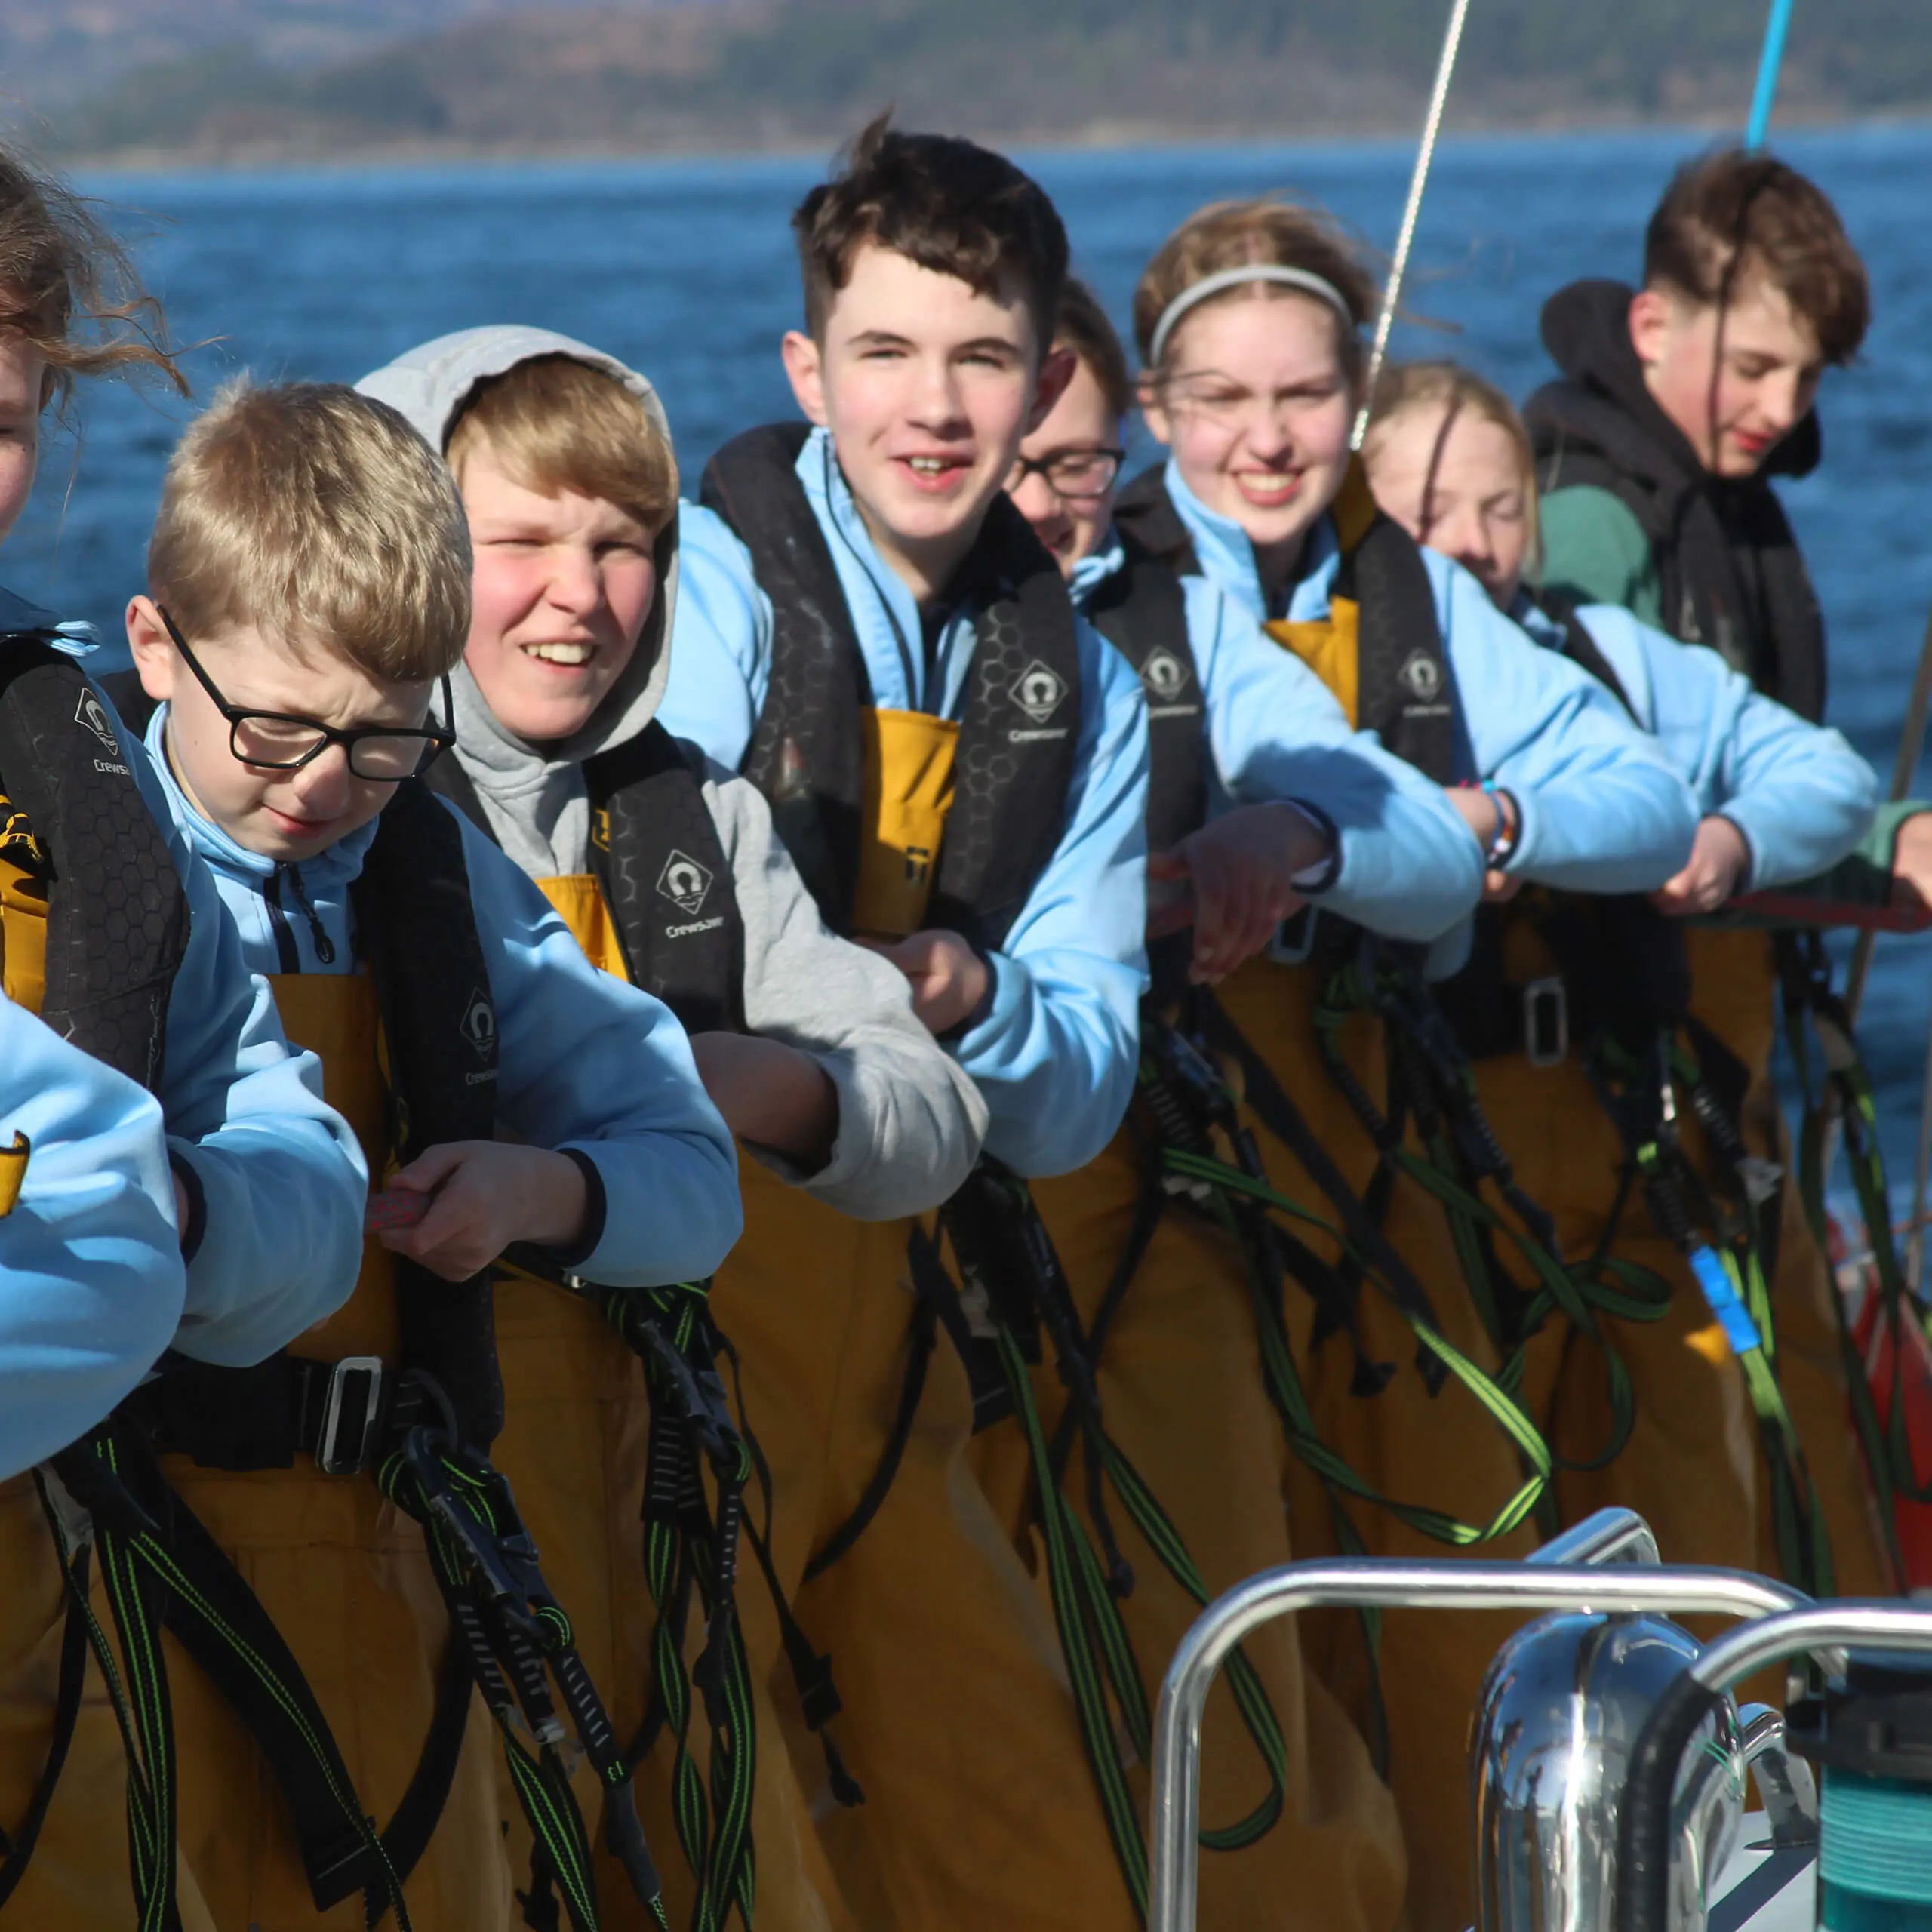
1278 1112
418 932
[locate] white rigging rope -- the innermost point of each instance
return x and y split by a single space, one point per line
1445 68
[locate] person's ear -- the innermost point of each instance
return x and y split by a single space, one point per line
1056 372
152 647
1147 393
1650 320
804 368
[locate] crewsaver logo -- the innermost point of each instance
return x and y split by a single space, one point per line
91 715
479 1023
1165 675
1038 691
684 882
1422 675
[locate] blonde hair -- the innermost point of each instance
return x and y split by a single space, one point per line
555 423
67 287
1240 234
1405 386
315 515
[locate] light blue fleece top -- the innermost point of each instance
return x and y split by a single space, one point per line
94 1286
1055 1051
1601 809
1408 867
91 1278
1800 795
585 1061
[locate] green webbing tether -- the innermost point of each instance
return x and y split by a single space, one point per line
1101 1668
519 1641
687 1547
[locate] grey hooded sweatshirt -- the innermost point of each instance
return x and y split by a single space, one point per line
910 1122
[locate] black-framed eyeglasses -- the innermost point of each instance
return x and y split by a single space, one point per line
275 741
1077 472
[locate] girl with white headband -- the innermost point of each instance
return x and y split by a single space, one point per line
1249 320
1243 735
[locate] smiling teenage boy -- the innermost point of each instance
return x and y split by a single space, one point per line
665 867
309 589
957 765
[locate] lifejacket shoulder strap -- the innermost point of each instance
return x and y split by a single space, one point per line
1582 649
117 916
1142 611
806 755
418 931
1018 732
667 879
1404 691
1145 512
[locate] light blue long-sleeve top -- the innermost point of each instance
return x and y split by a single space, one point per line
91 1278
585 1061
1800 794
1407 866
1055 1052
274 1176
1600 807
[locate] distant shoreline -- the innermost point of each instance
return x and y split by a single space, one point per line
1112 137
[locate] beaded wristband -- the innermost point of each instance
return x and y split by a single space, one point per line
1508 825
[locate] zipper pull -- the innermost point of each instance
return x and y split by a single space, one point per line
325 945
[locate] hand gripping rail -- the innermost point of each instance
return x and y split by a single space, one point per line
1446 1583
1643 1849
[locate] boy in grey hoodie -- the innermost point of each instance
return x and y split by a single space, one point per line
666 868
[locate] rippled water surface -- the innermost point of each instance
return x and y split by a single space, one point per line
684 269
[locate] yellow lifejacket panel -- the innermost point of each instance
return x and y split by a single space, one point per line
909 759
23 917
1330 646
579 899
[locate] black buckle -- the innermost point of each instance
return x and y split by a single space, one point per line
1545 1022
351 1411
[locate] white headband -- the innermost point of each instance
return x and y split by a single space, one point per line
1304 279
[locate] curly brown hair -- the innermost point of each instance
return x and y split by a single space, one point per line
67 286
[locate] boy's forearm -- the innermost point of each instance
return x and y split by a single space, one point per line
772 1095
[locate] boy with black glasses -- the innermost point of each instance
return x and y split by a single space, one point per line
309 581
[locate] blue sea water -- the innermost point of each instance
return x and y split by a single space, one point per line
684 269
